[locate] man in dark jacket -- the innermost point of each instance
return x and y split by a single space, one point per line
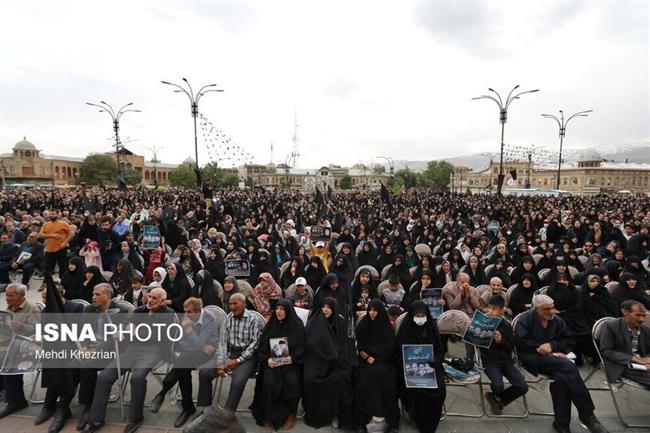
30 257
8 253
626 341
141 356
498 361
543 342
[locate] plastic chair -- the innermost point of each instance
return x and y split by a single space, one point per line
596 333
455 322
373 272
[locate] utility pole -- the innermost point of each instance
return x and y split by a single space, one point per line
295 154
154 150
491 156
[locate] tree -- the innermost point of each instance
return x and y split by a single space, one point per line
183 176
405 178
213 174
132 176
98 169
346 182
436 175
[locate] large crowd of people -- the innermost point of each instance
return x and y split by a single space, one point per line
358 264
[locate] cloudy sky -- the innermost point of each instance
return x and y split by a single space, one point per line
367 78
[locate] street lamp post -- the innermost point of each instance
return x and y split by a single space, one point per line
104 107
194 102
503 118
562 124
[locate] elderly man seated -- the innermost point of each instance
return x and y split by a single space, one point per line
543 342
459 295
626 341
496 289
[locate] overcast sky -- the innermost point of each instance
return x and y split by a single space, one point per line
367 78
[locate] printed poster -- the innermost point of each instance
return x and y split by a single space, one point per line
279 349
481 330
418 372
151 237
430 298
238 268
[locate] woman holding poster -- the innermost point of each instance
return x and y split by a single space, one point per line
281 351
376 394
422 399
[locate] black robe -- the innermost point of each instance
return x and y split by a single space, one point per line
178 289
86 290
327 391
423 405
278 389
204 289
73 281
375 388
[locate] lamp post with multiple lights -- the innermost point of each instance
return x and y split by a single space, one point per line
105 107
194 103
503 118
562 124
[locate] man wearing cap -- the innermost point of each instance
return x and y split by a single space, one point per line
321 250
301 297
543 342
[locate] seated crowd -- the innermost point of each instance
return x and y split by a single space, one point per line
322 321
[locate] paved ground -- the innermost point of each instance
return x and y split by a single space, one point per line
635 403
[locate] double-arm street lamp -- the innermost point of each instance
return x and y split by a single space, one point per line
105 107
562 124
194 102
503 118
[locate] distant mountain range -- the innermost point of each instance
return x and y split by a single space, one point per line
639 153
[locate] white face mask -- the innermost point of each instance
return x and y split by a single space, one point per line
420 320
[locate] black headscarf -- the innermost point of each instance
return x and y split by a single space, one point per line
205 290
86 292
227 295
177 290
72 281
121 281
376 337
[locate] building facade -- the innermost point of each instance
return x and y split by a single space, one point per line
591 174
282 175
27 166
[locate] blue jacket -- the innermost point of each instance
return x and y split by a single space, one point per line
8 253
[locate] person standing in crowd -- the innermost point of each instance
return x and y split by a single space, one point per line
543 342
57 235
235 356
375 389
626 341
197 346
422 405
498 362
141 358
279 383
327 372
25 316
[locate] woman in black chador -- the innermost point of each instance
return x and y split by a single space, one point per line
376 391
327 390
423 405
278 385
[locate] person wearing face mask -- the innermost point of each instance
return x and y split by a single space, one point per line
375 390
278 383
423 406
57 235
327 372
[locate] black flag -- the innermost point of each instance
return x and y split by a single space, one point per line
513 173
121 182
319 197
52 200
53 304
199 178
331 193
385 196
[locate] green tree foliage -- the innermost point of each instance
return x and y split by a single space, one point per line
346 182
436 175
98 168
230 181
183 176
405 178
132 176
213 174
